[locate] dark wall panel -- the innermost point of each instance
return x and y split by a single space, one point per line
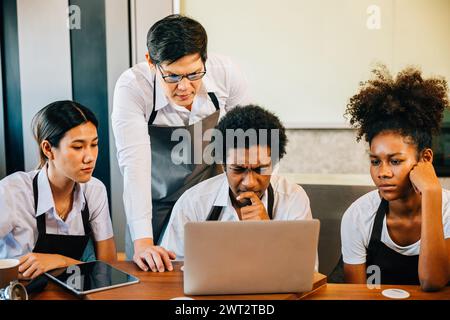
12 106
89 74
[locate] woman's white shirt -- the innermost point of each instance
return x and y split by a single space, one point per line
18 225
357 224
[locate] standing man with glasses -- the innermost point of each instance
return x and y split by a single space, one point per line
178 87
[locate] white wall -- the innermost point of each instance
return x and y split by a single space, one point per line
44 56
305 58
144 13
422 35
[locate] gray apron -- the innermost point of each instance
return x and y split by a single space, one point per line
170 180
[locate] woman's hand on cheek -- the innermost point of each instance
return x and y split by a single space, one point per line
423 177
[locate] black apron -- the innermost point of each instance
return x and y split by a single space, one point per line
65 245
216 211
395 267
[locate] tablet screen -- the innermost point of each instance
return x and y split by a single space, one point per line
91 276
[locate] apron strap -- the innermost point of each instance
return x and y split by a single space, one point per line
154 112
85 216
214 214
216 211
152 118
40 221
214 100
378 223
270 201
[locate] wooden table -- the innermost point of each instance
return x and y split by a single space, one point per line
168 285
159 286
332 291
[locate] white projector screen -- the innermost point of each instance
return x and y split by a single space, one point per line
305 58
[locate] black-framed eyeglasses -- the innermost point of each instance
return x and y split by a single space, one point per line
175 78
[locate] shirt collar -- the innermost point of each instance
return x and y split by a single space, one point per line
209 85
223 195
45 195
45 202
161 100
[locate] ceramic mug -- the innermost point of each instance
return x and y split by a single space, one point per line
9 271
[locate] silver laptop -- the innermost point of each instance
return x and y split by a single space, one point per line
249 257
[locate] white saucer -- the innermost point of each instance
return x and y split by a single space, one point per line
395 293
182 298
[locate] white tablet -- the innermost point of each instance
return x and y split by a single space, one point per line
90 277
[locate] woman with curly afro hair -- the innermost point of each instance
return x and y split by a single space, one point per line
402 229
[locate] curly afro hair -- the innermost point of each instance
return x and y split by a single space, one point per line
253 117
409 105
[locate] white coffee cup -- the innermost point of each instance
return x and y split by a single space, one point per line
9 271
